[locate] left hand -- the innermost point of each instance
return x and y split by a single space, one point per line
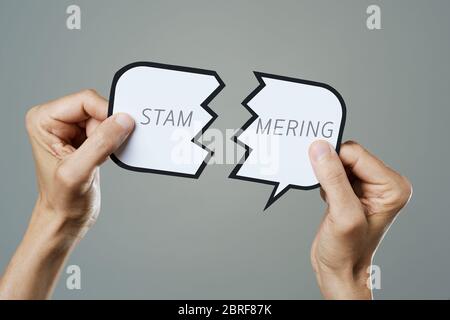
70 138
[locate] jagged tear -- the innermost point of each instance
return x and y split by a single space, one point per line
288 103
143 88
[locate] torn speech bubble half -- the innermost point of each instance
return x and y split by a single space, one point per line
288 114
170 107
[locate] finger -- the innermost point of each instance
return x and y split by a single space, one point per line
372 171
65 131
91 125
61 150
106 139
323 195
78 107
331 175
364 165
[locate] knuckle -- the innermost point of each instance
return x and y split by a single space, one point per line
358 150
355 148
404 191
351 143
30 118
89 93
407 185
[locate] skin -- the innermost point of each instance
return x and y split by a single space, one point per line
72 136
363 197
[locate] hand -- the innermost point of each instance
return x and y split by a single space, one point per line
70 138
363 197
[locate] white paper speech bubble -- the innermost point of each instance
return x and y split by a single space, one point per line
169 106
287 116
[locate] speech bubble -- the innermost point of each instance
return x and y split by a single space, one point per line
170 107
288 114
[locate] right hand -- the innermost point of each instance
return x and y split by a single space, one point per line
363 197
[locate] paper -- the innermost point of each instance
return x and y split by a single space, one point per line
170 107
288 115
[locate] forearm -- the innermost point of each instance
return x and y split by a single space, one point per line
37 262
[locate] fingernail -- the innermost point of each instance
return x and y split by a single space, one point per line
125 121
319 149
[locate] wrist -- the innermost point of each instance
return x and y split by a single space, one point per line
36 264
347 286
54 227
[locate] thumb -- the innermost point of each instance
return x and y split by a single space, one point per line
107 138
331 175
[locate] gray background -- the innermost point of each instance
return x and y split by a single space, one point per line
167 237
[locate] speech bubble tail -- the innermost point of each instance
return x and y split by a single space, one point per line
278 191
